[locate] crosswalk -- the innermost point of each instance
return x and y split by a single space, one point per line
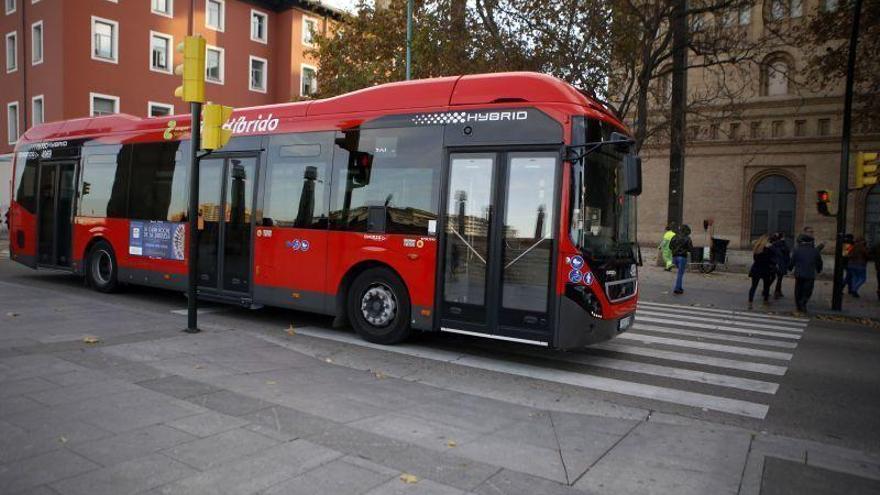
704 358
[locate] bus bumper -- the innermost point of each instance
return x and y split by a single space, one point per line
577 328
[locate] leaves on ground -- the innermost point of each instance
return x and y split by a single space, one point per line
379 375
451 444
328 360
62 439
291 331
409 479
858 320
12 314
271 382
91 339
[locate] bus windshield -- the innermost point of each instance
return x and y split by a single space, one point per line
603 218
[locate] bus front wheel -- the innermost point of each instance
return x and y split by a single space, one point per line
378 307
101 269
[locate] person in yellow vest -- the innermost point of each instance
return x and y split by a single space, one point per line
665 249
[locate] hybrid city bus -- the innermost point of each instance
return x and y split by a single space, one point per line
498 205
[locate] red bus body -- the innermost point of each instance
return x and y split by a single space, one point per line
314 276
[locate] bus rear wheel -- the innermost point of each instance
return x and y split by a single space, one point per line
378 307
101 268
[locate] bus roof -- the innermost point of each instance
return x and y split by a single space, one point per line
510 88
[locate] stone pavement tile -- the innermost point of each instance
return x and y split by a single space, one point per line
783 477
280 419
145 351
255 473
337 477
192 367
258 359
39 490
30 365
516 456
34 433
130 445
212 451
780 447
42 469
231 403
178 386
663 458
126 418
95 359
418 431
135 372
24 385
207 424
133 476
11 406
473 413
81 392
508 482
423 487
339 407
79 377
827 460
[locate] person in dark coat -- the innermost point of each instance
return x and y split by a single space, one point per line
783 256
875 257
763 268
806 261
681 246
857 266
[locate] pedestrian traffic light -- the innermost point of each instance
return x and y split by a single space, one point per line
192 69
823 198
214 136
866 168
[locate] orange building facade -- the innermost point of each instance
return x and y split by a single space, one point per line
65 59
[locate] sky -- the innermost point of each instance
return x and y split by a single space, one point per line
342 4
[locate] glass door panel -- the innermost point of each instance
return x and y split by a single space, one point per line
210 208
64 213
240 175
47 197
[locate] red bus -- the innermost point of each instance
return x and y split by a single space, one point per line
496 205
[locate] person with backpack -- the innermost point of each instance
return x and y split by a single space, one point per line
681 246
763 268
783 255
806 261
857 266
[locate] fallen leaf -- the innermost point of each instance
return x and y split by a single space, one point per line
452 444
91 339
328 360
271 382
62 439
198 366
290 330
379 375
409 479
11 314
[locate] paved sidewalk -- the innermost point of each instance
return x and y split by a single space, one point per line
236 409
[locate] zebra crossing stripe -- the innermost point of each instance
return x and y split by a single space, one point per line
724 321
792 320
715 336
706 346
719 328
683 357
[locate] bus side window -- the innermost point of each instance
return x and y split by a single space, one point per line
104 189
26 182
158 185
296 180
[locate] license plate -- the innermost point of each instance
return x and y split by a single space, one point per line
625 323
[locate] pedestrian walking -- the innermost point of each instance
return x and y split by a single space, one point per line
763 268
783 256
665 249
847 246
806 261
857 266
681 246
875 257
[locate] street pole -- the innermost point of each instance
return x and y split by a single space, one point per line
193 215
409 9
678 109
843 183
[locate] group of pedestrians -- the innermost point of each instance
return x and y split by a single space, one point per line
772 260
675 247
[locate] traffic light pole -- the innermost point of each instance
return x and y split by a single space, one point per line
843 187
193 215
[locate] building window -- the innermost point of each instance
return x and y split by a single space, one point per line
10 6
309 78
37 43
159 109
12 122
824 128
775 77
755 130
258 74
12 51
745 15
828 5
777 128
214 64
215 15
38 115
103 104
105 40
310 27
713 131
733 16
161 58
780 9
734 130
162 7
773 206
259 26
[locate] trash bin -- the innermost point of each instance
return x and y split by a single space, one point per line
719 249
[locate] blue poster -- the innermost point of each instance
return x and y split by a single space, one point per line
157 239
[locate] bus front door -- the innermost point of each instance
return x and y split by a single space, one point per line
55 213
498 245
226 201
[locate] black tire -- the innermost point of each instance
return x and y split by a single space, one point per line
707 267
101 268
378 307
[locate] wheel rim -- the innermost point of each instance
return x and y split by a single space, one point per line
379 305
102 267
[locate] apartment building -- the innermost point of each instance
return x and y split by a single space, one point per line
65 59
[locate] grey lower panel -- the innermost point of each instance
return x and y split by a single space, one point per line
152 278
315 302
27 260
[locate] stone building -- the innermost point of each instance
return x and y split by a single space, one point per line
755 167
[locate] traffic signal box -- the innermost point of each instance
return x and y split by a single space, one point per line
192 69
214 136
823 199
866 168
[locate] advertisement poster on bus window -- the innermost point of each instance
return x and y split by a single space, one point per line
156 239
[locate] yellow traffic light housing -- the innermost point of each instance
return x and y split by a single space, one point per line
192 69
214 136
867 165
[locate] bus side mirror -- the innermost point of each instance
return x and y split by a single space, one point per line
632 174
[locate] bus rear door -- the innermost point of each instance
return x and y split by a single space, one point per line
55 205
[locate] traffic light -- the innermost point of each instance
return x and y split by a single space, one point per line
192 69
866 168
823 198
214 136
